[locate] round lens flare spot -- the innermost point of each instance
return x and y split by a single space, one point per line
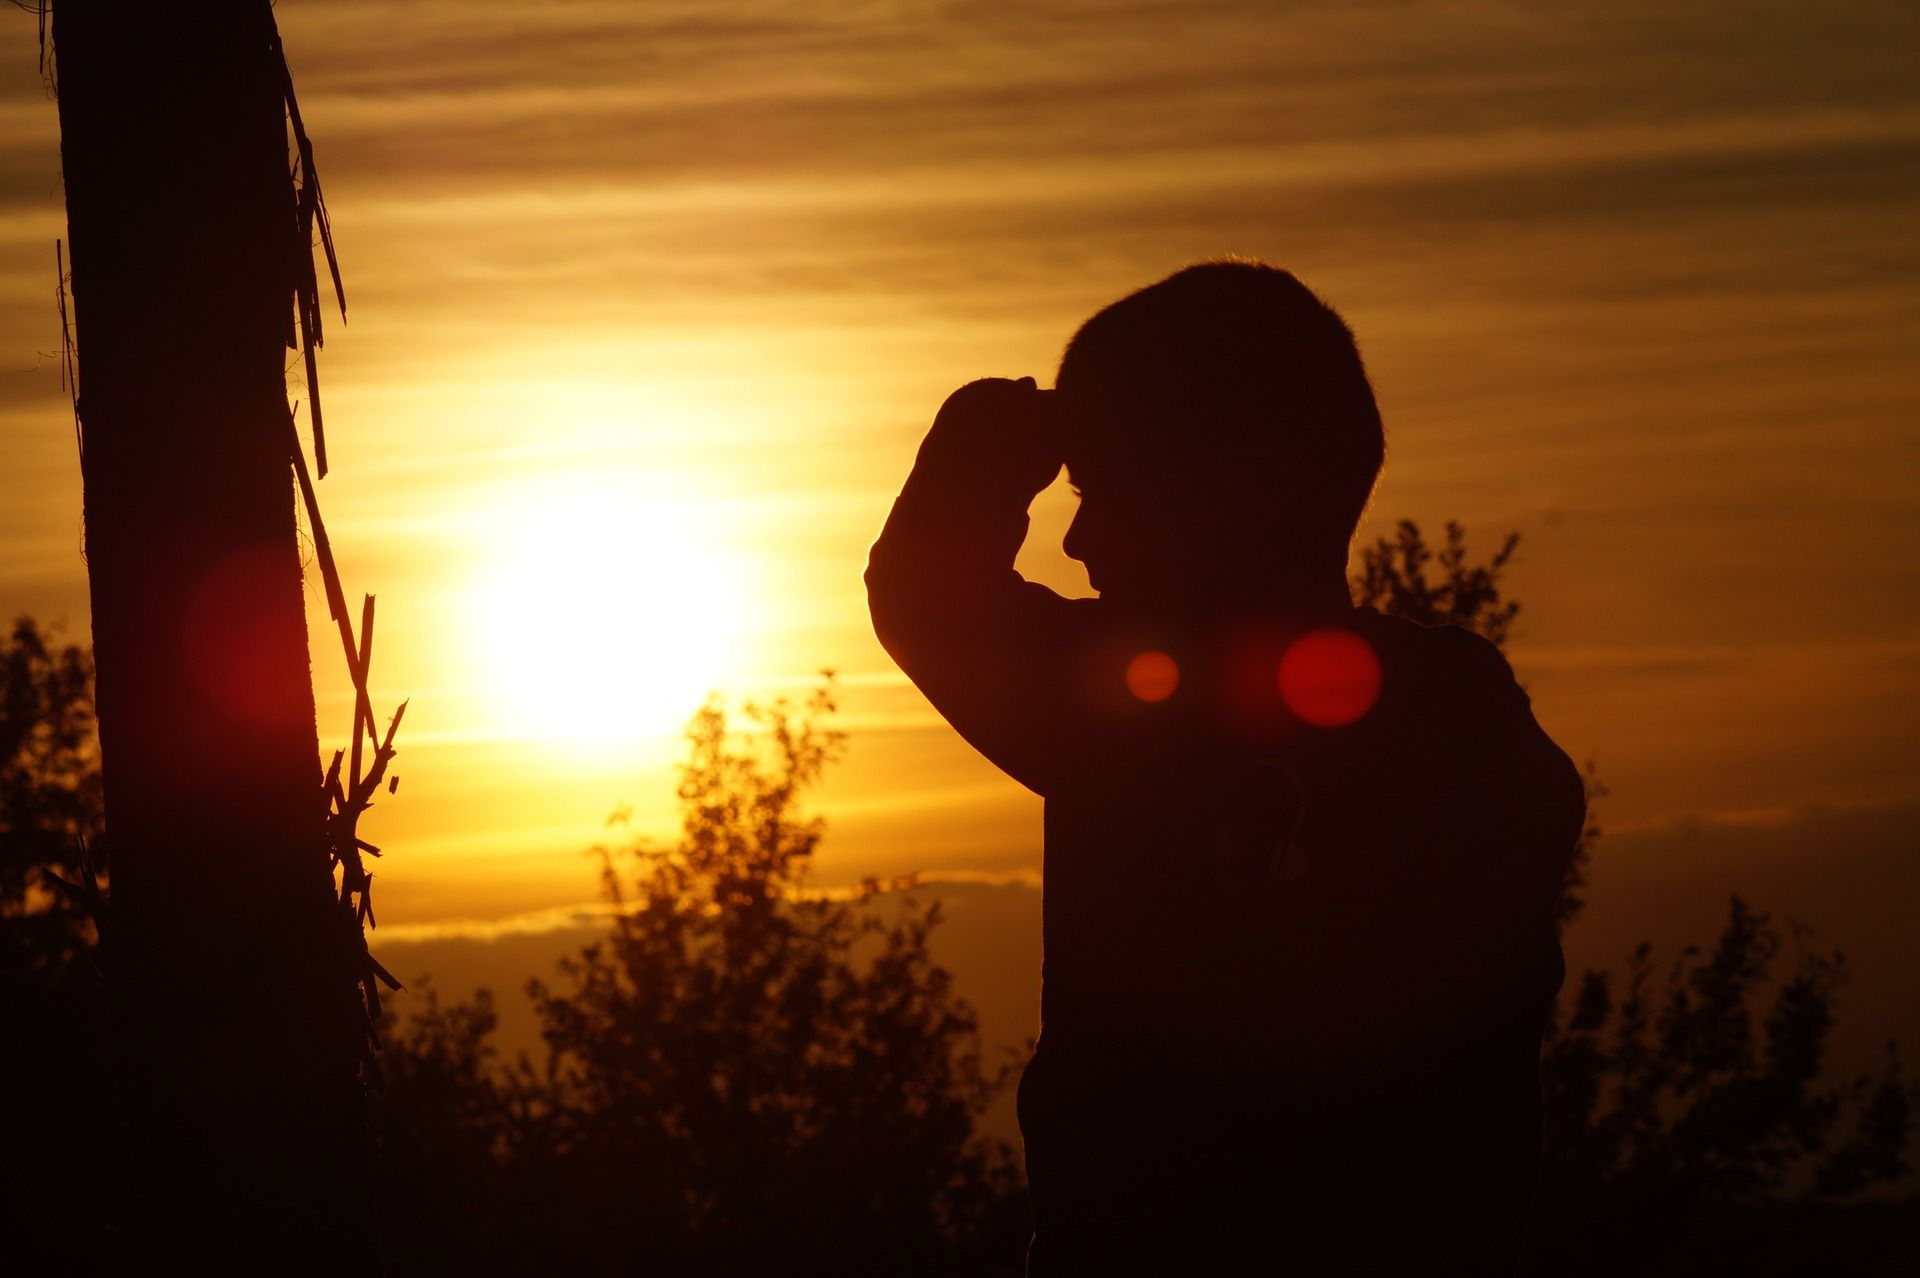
1152 676
1330 677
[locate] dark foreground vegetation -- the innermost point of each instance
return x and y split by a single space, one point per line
743 1077
748 1076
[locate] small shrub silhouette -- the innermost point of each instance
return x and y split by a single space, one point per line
1685 1113
54 1047
744 1076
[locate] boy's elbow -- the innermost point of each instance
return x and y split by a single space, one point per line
907 601
889 599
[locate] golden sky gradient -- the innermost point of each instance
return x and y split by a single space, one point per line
650 304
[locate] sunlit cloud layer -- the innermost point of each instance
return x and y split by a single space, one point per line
1637 280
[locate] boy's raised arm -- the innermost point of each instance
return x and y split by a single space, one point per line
992 651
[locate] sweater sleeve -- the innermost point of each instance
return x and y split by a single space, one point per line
1509 806
997 655
1538 800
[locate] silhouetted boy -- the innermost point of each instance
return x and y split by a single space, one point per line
1301 858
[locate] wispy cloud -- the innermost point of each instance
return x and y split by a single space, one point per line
1634 278
598 916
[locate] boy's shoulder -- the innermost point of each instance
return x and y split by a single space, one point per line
1445 651
1445 680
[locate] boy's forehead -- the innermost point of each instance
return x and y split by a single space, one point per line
1106 434
1103 458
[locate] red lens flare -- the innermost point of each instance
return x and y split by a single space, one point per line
1330 677
1152 676
236 626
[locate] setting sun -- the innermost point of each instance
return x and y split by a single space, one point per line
603 614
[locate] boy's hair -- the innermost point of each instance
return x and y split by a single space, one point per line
1235 371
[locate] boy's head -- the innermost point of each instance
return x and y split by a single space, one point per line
1221 431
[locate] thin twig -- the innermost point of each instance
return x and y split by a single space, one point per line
69 377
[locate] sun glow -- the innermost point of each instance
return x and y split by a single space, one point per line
603 615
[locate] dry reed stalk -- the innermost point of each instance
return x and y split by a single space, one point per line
69 379
349 794
310 212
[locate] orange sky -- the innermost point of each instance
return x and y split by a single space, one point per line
638 287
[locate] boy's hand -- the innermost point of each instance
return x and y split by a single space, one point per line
1000 433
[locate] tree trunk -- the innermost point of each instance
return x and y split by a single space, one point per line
237 1027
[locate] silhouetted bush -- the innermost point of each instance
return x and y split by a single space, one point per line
53 1027
1679 1137
1393 578
50 804
1682 1113
746 1076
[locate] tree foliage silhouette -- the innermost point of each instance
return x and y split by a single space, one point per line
50 808
1393 578
1683 1111
53 1010
1676 1117
746 1075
